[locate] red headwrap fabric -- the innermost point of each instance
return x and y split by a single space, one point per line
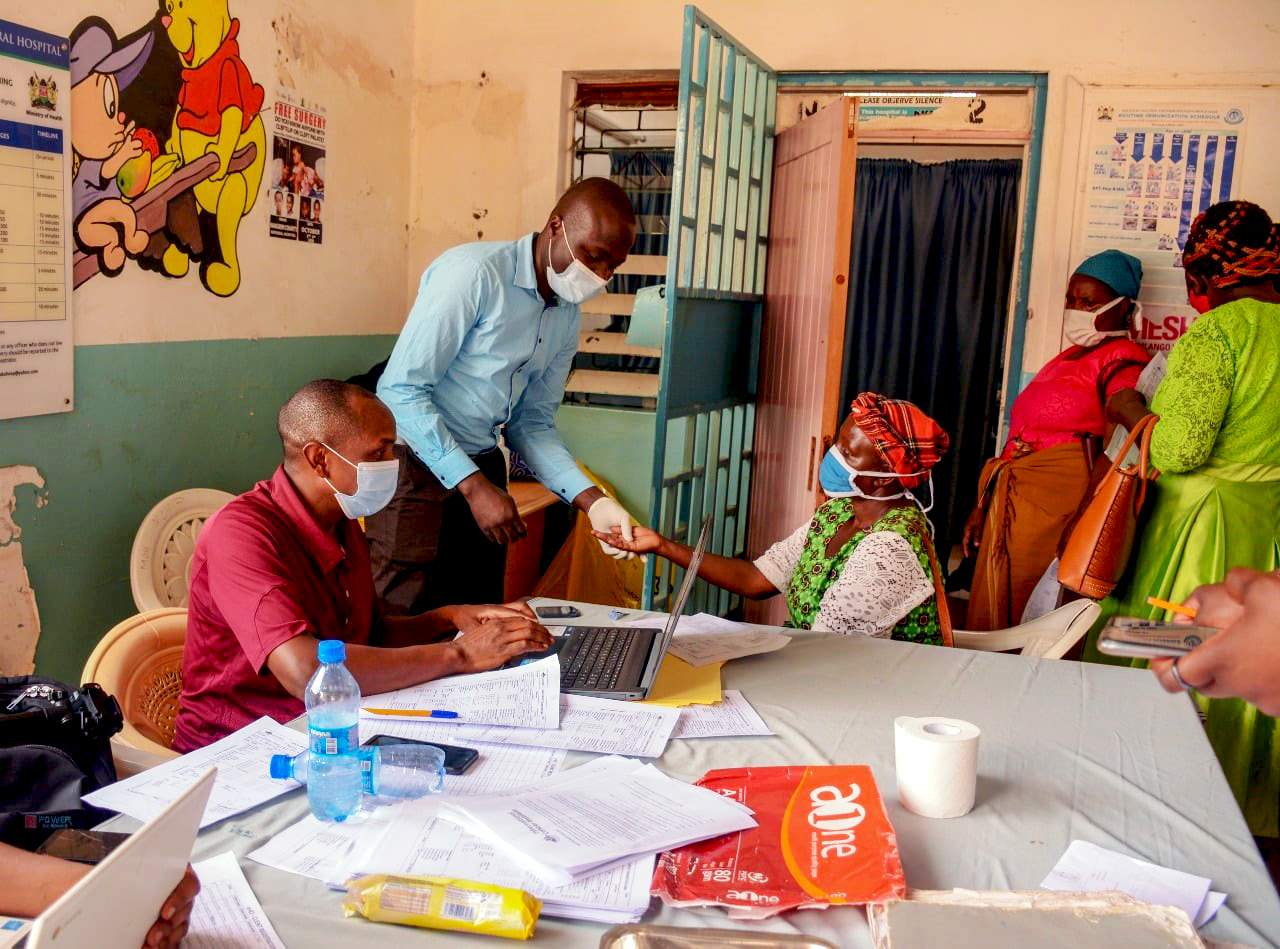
1232 242
908 440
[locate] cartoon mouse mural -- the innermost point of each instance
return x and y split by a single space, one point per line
103 143
169 145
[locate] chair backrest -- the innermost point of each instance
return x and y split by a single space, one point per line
162 549
1046 637
140 662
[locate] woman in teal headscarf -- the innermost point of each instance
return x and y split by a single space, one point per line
1028 494
1217 447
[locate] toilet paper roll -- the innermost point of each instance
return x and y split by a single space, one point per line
937 762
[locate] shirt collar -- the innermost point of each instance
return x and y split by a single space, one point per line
327 551
526 276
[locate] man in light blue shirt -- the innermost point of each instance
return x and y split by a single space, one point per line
488 346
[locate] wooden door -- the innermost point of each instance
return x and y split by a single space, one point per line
802 337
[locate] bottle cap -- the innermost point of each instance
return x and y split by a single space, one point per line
331 650
281 766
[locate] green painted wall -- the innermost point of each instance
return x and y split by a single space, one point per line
617 444
150 419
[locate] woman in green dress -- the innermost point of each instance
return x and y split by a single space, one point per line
1217 447
864 565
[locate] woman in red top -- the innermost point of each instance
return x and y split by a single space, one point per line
1027 495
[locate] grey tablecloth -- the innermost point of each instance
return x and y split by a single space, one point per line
1067 751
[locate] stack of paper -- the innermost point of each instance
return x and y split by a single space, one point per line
331 852
521 697
242 781
226 912
702 639
731 716
418 842
583 820
1088 868
604 726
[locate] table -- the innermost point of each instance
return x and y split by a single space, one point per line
1068 751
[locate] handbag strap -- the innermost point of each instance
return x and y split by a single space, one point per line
1144 472
1141 430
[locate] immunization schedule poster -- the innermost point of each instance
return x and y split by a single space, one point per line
1150 168
35 205
296 203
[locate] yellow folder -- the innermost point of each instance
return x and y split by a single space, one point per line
679 684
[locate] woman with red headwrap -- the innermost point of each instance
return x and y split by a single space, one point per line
1217 447
865 564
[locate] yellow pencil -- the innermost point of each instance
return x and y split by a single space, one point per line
1187 611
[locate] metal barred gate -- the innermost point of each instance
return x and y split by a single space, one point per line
721 185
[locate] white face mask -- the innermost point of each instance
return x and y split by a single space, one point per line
833 485
579 282
1079 325
375 487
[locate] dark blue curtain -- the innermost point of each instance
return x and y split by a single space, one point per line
930 271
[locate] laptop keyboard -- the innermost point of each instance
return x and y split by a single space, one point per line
595 661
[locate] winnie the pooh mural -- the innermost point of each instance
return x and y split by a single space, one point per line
169 145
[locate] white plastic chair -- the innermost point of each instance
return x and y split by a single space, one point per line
1047 637
160 562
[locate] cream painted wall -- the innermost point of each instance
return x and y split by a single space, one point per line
489 78
359 67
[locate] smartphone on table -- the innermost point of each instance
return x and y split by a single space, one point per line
456 758
1150 639
557 611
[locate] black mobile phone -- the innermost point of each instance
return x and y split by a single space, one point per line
456 758
1148 639
82 846
557 611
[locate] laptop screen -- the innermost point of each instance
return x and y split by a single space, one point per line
690 575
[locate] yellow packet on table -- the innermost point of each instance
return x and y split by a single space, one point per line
441 903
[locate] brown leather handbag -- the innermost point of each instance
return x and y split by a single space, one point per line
1097 552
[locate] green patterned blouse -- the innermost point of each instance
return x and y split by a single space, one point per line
1220 397
816 571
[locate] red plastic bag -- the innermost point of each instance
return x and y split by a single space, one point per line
823 839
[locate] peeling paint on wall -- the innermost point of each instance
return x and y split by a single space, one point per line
302 47
19 619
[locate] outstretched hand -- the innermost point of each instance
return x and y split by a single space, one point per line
643 540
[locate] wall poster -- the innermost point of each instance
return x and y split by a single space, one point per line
1148 169
296 204
35 205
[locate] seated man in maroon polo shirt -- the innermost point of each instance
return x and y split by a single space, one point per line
285 565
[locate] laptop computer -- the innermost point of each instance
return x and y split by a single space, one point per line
115 904
620 662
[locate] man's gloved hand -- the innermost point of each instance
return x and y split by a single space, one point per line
606 514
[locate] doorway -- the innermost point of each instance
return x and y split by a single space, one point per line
932 264
897 307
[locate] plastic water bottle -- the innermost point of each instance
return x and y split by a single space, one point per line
333 720
401 770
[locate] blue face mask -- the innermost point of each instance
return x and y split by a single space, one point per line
375 487
839 479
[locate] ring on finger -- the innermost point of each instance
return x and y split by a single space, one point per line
1177 676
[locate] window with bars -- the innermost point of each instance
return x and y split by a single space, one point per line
624 130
